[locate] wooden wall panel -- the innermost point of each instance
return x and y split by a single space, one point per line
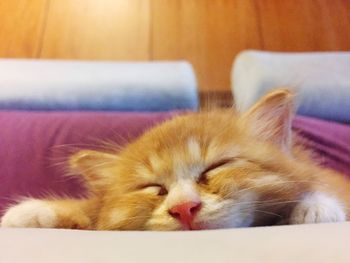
97 29
21 27
299 25
207 33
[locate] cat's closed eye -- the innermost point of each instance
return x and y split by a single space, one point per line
203 178
156 188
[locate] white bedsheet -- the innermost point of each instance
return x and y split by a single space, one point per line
304 243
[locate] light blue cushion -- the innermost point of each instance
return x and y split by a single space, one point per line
321 80
83 85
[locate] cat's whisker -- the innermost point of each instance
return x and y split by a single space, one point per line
111 145
267 212
126 221
76 145
271 202
279 203
273 184
135 217
101 164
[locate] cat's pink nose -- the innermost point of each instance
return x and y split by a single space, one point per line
185 212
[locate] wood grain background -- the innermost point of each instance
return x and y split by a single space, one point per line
208 33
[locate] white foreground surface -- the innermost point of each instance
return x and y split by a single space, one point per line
303 243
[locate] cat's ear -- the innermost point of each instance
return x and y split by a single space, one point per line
271 118
92 165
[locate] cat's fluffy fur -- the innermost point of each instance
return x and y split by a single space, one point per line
242 170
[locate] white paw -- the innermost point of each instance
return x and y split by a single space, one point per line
30 213
318 208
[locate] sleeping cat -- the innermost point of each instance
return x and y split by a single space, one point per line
204 170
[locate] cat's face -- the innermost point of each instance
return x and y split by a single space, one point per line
198 171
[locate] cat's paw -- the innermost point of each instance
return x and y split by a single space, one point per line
318 208
30 213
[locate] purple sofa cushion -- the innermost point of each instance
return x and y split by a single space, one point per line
330 141
34 146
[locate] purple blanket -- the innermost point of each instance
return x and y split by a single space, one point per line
330 141
34 145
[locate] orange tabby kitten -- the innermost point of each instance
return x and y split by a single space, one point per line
199 171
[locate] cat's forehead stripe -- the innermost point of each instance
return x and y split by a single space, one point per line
217 151
194 148
155 162
183 170
268 180
143 172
